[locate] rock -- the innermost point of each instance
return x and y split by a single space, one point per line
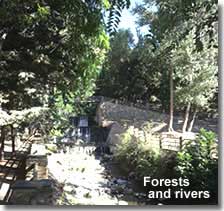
87 195
52 148
107 158
32 192
121 182
22 197
80 192
42 199
100 201
92 186
122 203
117 189
36 184
68 188
119 196
137 195
113 138
71 199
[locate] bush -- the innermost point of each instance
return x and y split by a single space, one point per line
198 161
137 156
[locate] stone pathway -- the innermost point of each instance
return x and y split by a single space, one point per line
83 179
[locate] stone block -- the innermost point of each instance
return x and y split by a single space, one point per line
38 192
38 157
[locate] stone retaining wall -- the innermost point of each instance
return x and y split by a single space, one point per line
121 118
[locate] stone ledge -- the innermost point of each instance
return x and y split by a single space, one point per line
38 184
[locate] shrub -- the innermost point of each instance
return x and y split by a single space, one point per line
198 161
137 156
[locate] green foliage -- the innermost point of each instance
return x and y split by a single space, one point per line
139 155
25 116
115 69
183 37
51 53
167 16
50 46
115 10
129 72
177 39
198 161
63 108
43 12
195 73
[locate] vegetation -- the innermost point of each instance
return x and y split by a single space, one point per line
55 55
174 65
51 54
198 161
141 157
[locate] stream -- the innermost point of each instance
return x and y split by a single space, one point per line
84 178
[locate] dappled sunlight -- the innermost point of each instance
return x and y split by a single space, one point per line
83 177
100 97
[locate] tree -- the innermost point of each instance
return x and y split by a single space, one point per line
113 79
131 71
195 76
169 25
51 50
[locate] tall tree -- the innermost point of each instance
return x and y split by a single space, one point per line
170 23
51 50
195 75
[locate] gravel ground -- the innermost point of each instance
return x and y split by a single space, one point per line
80 179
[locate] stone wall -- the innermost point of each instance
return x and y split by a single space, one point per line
121 118
108 112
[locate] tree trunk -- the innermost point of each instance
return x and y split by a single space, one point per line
171 100
192 121
2 141
186 117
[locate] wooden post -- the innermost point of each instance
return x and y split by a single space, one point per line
22 169
181 142
160 142
13 138
2 141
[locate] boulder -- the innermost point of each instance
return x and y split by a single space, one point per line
113 138
122 203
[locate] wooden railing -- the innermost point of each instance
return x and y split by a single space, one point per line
14 168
